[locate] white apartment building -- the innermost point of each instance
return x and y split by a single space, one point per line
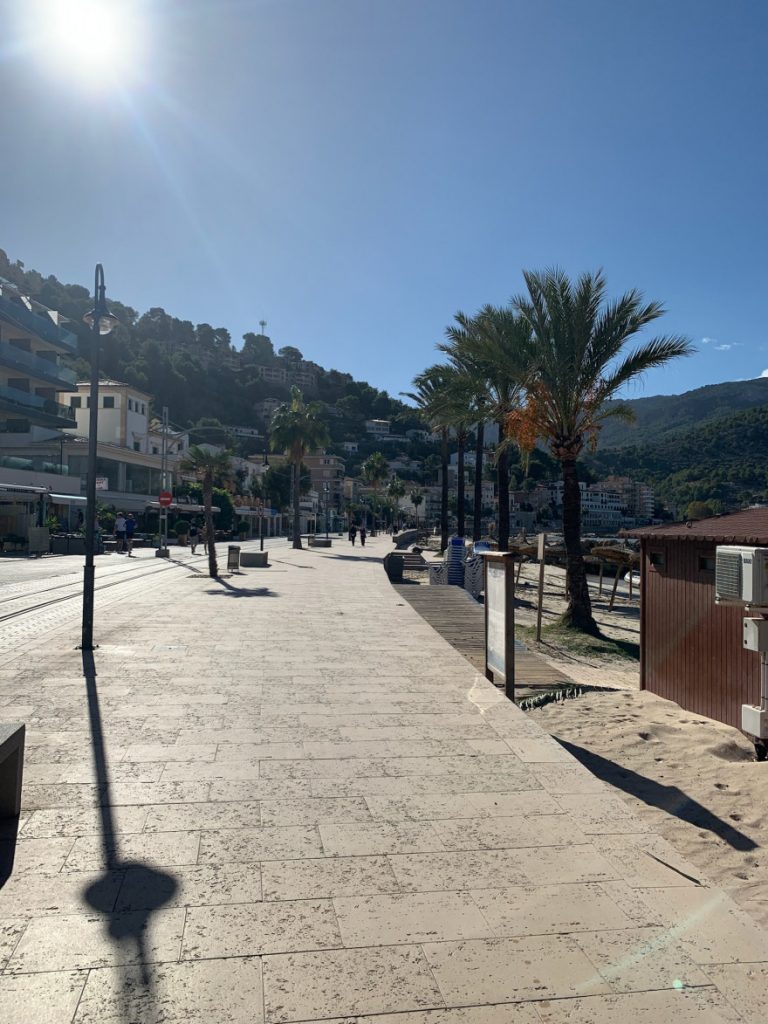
273 374
377 428
123 414
266 408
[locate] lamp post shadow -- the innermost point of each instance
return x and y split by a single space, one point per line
157 887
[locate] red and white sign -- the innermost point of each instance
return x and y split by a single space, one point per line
165 498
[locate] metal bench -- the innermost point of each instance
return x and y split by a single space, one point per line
11 768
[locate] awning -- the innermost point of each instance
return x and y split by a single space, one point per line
20 490
155 506
67 499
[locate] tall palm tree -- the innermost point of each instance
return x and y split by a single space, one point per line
490 350
208 466
296 430
396 490
374 470
578 367
431 396
417 498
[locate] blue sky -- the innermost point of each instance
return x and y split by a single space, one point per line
355 171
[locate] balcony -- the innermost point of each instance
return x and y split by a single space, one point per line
43 412
33 323
37 367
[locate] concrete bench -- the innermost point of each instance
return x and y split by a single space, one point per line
320 542
11 768
253 560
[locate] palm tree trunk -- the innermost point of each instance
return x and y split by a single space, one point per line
578 614
444 490
296 505
213 566
477 526
502 478
462 439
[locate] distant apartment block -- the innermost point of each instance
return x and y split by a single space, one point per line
32 342
327 470
377 428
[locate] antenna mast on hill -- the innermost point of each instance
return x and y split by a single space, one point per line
262 325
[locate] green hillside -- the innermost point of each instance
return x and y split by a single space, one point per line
722 461
197 371
662 415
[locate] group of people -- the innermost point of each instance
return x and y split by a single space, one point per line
125 528
353 531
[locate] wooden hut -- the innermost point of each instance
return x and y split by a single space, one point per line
690 648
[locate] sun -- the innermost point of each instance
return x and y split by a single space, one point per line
87 38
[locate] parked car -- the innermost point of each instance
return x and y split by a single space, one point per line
634 574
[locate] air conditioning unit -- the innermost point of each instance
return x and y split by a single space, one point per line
741 575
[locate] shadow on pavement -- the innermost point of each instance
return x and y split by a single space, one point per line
655 794
123 927
230 591
9 830
358 558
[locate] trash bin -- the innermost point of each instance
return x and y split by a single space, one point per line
233 557
393 565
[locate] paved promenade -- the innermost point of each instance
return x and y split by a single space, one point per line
282 797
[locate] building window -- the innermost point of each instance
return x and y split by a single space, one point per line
143 409
76 402
109 401
155 450
656 558
706 563
130 405
137 446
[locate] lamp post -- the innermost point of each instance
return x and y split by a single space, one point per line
265 464
326 488
101 322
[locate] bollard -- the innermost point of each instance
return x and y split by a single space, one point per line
233 557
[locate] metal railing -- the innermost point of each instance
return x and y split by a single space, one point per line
40 326
28 405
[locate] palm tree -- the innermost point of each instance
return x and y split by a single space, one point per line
577 339
373 471
296 430
396 490
207 467
490 350
431 396
417 497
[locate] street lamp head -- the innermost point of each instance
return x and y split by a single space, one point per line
106 320
100 314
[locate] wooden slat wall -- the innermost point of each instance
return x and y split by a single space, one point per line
692 648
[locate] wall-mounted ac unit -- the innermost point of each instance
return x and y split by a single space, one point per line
741 575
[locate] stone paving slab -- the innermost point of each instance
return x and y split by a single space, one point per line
284 798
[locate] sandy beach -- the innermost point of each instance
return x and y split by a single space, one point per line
693 780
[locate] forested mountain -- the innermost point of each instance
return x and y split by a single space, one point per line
196 370
722 462
661 415
709 444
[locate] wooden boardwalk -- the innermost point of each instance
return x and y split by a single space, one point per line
459 619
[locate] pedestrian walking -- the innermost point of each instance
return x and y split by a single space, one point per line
130 529
363 535
204 538
120 533
353 533
194 535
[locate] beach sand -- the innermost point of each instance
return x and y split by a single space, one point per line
694 781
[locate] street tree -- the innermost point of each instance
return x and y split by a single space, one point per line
297 430
577 367
209 467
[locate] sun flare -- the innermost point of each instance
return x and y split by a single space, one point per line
87 37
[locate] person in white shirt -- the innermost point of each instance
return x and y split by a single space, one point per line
120 532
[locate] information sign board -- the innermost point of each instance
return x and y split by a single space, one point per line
500 620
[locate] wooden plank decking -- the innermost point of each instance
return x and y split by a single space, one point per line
460 620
